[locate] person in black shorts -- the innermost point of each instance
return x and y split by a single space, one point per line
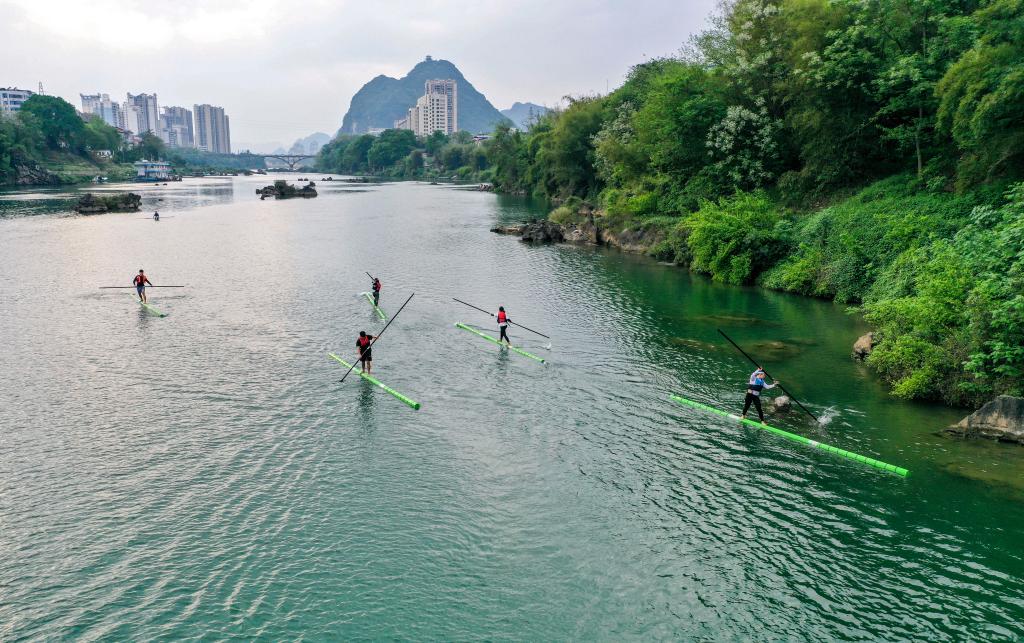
363 343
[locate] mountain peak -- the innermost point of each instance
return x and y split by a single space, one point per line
383 100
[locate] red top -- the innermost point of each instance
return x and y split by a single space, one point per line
140 280
363 342
502 317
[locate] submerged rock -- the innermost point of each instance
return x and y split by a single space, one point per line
508 229
782 403
1001 419
864 345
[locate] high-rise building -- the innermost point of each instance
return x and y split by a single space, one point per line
446 117
133 120
436 111
102 106
176 127
11 99
147 110
212 129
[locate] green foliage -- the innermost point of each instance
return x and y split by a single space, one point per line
736 238
390 147
981 96
56 119
97 135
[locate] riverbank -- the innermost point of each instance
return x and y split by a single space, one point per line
935 273
57 168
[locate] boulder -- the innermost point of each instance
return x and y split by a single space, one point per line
30 173
782 403
543 231
1001 419
864 345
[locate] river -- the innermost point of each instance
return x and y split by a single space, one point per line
206 475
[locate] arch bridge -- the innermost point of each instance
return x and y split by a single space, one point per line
290 159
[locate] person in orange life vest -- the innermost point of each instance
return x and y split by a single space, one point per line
365 352
140 282
503 321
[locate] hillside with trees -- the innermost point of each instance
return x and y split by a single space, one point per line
46 142
871 153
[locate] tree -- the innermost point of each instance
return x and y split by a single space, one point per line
56 119
354 158
390 147
981 96
97 135
151 147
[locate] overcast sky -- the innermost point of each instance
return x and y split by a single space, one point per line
283 70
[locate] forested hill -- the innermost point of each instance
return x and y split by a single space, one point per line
383 100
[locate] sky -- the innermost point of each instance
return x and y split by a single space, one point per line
283 70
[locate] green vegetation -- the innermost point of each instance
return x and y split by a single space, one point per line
47 142
866 152
398 154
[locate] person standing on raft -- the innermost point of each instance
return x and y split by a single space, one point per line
756 384
376 291
503 321
140 282
365 352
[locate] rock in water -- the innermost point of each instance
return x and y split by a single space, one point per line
543 231
782 403
1001 419
864 345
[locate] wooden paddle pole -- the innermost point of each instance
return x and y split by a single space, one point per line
509 321
383 330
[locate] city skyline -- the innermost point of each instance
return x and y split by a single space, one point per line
325 60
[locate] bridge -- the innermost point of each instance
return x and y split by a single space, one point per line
290 159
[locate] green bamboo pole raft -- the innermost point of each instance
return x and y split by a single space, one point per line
878 464
489 338
373 380
148 308
380 312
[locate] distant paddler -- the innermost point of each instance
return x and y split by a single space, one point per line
156 216
376 286
365 350
140 282
755 385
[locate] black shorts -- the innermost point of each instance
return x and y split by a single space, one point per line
366 356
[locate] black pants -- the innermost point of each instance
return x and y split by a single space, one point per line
376 297
756 399
504 334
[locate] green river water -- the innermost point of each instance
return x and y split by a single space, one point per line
206 476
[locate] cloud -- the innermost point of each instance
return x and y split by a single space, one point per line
284 70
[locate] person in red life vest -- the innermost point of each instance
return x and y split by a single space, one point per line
503 321
376 291
365 352
140 282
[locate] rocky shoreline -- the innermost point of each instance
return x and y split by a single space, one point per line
587 234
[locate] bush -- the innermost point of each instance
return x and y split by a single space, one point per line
736 238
